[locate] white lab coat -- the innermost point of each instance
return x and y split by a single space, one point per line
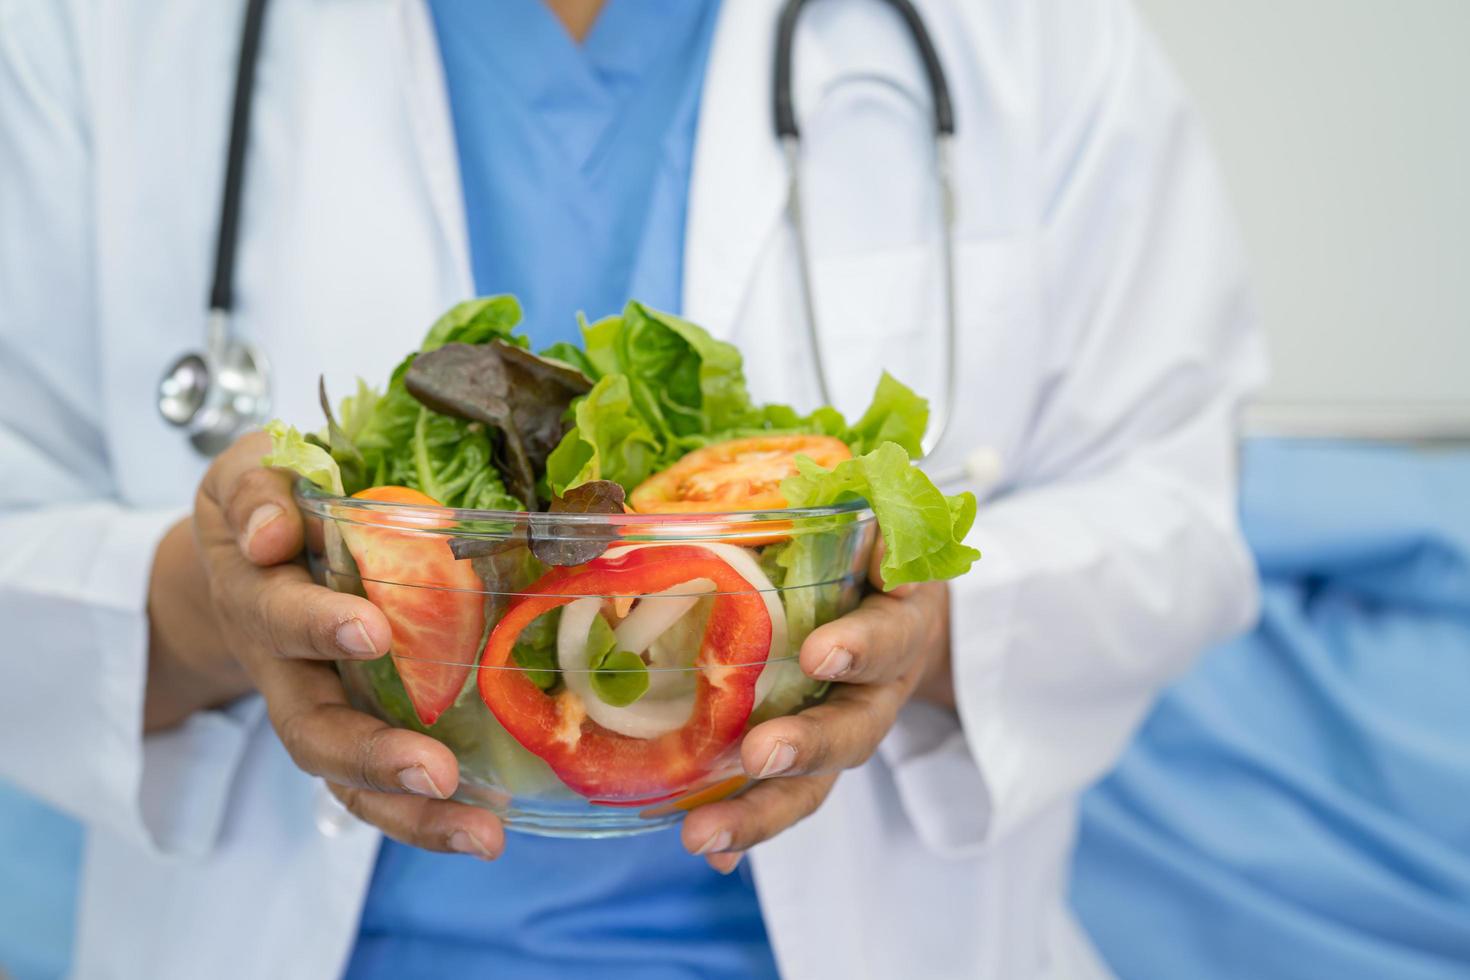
1105 340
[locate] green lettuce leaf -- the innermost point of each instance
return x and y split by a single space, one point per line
476 321
698 372
618 677
611 441
699 381
390 438
291 451
356 411
451 460
808 560
663 383
572 356
923 530
535 650
896 414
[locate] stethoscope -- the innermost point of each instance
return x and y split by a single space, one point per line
218 394
224 391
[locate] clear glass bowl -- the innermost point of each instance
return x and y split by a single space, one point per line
592 673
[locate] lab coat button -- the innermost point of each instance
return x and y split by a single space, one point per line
984 467
332 818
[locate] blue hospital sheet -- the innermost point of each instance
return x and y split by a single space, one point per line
40 860
1299 806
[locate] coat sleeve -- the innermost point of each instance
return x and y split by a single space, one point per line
1112 556
74 559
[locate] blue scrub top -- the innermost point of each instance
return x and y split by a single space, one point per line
575 163
40 865
575 160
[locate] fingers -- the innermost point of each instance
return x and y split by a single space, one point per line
878 641
721 831
434 825
295 617
254 503
326 737
880 653
875 572
269 613
395 779
840 733
280 625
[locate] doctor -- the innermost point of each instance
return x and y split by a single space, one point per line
161 681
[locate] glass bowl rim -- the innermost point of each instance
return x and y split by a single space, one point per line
317 502
560 671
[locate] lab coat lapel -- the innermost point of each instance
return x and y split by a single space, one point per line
372 238
426 105
738 185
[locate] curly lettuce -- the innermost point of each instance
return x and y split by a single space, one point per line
923 530
666 387
389 438
292 451
662 387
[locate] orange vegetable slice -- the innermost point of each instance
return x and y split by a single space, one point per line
741 474
433 602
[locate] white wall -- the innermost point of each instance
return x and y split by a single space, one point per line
1344 129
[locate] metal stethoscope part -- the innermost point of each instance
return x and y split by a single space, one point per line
219 393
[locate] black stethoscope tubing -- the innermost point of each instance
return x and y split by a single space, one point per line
222 286
785 107
788 135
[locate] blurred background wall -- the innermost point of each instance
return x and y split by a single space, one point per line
1344 129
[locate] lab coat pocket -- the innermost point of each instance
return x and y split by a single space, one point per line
884 310
876 311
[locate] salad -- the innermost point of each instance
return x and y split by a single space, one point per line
505 516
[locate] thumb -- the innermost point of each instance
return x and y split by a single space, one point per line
255 502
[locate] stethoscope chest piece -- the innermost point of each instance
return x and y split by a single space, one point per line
218 395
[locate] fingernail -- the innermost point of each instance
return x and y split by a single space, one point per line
467 843
783 754
259 518
725 863
416 779
353 637
837 662
718 841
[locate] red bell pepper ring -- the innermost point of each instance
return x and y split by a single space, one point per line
606 766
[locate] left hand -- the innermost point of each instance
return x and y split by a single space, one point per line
892 647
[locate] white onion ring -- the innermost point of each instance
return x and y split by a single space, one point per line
645 718
746 566
648 620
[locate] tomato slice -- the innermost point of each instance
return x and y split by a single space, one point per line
432 601
603 765
741 474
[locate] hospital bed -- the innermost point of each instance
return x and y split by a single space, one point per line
1298 806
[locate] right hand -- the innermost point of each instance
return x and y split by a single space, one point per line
277 630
